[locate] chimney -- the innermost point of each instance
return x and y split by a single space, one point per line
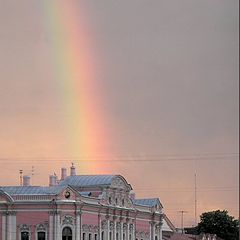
52 180
63 173
26 180
72 170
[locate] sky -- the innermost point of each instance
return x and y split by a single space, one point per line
144 88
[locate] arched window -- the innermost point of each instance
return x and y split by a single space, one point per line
89 236
156 238
84 236
67 233
41 236
102 235
110 235
117 236
130 236
95 236
24 235
124 236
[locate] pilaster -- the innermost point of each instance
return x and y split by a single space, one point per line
108 227
99 227
78 225
51 227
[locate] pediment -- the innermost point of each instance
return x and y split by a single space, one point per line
5 197
120 183
68 193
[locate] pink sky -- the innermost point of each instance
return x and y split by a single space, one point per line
168 72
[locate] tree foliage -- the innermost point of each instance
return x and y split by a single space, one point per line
219 223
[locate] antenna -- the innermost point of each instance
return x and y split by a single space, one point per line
21 177
182 212
195 198
32 173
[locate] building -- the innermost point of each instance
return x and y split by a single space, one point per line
78 207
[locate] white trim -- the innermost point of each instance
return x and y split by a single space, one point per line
3 227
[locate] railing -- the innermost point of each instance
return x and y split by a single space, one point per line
32 197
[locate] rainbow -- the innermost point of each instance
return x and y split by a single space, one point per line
74 65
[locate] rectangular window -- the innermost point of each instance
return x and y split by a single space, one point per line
24 235
41 236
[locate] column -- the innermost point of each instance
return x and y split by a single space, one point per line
127 230
58 227
8 226
108 228
152 230
12 225
160 230
114 227
99 227
4 226
134 231
121 229
55 226
50 226
78 225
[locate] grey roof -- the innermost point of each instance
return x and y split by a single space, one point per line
32 190
150 202
88 180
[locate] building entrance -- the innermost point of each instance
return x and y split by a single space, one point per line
67 233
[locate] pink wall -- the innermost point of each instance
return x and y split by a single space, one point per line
89 219
142 225
31 218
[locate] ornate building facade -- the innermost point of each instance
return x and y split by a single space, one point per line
78 207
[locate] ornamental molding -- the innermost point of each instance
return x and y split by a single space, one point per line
41 227
142 234
124 227
85 228
111 226
24 228
90 228
131 227
68 220
118 183
118 226
104 224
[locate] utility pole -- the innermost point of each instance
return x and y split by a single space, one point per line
182 212
195 197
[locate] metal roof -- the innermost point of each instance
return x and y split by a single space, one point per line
88 180
32 190
150 202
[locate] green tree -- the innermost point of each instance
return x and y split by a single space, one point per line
219 223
